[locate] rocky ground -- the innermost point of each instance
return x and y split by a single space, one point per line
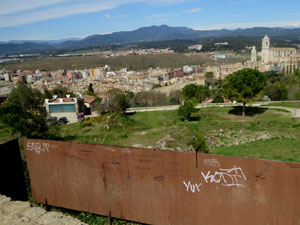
21 213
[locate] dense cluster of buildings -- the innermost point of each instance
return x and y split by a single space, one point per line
102 78
284 60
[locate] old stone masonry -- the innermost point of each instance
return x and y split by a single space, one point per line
21 213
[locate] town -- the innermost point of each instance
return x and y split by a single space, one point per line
167 112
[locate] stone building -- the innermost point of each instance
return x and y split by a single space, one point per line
270 55
284 60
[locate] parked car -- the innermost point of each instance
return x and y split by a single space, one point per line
80 116
63 120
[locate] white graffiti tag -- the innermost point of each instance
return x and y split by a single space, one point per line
211 162
193 187
37 147
227 177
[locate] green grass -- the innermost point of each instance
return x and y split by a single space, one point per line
282 149
6 134
226 133
287 104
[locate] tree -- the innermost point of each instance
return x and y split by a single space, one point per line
186 110
196 93
117 101
218 99
61 92
273 92
209 75
24 112
199 144
202 93
244 85
209 78
174 101
47 94
90 89
189 91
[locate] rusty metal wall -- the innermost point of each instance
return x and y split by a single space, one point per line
163 187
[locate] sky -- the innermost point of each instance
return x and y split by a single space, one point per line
60 19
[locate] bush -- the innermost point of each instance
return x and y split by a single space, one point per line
199 144
218 99
86 123
174 101
196 93
297 96
273 92
97 119
186 110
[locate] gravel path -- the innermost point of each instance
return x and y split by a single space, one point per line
21 213
295 112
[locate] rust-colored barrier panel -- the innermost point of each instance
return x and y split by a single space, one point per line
163 187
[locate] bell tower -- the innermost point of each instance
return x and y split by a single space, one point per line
253 54
266 49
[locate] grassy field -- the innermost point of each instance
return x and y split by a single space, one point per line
287 104
5 134
266 134
269 134
132 62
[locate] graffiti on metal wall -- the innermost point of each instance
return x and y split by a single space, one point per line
37 147
211 162
232 177
158 187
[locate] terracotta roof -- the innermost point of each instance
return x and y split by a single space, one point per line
89 99
68 100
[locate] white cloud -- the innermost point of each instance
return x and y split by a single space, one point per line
107 16
162 19
249 25
19 12
158 15
196 10
13 6
55 12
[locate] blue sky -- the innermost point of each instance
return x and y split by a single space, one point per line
59 19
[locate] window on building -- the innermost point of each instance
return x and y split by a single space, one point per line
62 108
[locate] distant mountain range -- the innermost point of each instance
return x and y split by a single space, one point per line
144 34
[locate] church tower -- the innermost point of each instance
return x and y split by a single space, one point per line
253 54
266 49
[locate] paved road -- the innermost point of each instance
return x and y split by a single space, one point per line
20 213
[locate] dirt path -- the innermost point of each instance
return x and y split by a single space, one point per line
295 112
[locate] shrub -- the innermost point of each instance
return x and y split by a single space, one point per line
297 96
97 119
218 99
199 144
186 110
86 123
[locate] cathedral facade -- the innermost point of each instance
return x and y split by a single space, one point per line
284 60
270 55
